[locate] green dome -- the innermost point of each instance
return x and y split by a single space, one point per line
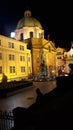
28 21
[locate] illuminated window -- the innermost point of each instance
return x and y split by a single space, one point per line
10 45
21 47
11 57
22 68
22 58
0 69
0 56
12 69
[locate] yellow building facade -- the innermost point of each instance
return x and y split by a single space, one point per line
15 59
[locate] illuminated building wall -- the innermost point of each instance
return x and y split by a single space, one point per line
49 50
15 59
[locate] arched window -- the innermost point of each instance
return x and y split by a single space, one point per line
21 36
31 34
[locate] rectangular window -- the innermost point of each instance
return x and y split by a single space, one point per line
31 34
22 68
0 69
10 45
0 56
22 58
21 47
11 57
12 69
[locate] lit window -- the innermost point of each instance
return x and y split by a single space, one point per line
12 69
22 69
21 47
10 45
11 57
22 58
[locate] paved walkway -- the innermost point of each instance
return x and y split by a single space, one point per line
27 97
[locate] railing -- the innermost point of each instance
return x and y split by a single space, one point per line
6 120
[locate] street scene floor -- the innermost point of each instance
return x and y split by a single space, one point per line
27 97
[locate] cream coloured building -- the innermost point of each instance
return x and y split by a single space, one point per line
15 59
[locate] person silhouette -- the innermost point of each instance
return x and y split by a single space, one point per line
39 95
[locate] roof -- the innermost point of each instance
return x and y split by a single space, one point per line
28 21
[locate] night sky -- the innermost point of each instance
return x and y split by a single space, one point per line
56 18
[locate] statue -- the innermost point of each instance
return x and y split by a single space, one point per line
4 80
43 67
42 57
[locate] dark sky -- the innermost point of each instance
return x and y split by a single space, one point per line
56 18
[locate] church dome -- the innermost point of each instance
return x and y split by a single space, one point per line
28 21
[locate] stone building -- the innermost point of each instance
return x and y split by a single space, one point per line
15 59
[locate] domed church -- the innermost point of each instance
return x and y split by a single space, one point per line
28 27
30 30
